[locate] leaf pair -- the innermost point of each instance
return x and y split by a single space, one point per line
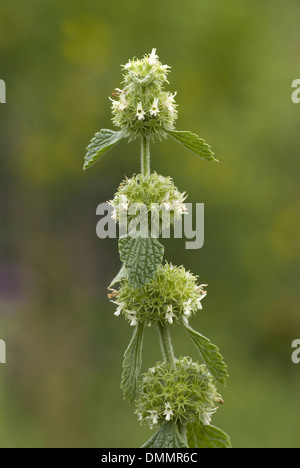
198 436
133 360
106 139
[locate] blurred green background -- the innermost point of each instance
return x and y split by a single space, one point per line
233 63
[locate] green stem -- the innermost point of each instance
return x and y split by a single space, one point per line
145 156
166 344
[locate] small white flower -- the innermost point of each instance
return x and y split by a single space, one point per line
168 411
166 204
153 58
114 214
206 417
169 103
203 295
154 109
154 417
121 104
121 307
169 314
152 370
132 315
140 114
124 203
140 417
187 310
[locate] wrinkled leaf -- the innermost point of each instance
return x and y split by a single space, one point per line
167 436
102 142
210 354
132 364
192 142
142 257
200 436
120 276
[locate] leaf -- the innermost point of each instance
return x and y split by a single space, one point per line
210 354
132 364
120 276
192 142
102 142
167 436
200 436
142 257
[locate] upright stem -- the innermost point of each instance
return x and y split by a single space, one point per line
145 156
166 344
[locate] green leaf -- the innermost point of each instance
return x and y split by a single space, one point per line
195 144
210 354
167 436
200 436
132 364
142 257
102 142
120 276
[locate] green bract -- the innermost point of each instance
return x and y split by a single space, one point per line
172 295
157 193
183 393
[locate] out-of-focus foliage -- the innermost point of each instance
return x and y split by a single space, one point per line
233 63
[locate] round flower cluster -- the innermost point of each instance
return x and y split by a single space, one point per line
142 106
184 393
155 194
171 296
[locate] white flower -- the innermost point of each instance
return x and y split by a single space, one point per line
179 209
124 203
140 417
152 370
168 411
132 315
121 307
154 109
187 308
203 295
114 214
153 58
206 417
169 103
140 114
121 104
154 417
169 314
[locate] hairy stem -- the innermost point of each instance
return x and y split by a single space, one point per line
145 156
166 344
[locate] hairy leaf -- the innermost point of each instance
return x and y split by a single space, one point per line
167 436
192 142
142 257
132 364
200 436
102 142
121 275
210 355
